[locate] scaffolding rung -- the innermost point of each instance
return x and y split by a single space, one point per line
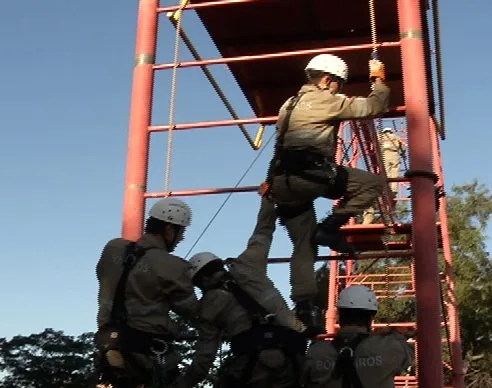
226 190
279 55
189 193
361 256
205 4
232 122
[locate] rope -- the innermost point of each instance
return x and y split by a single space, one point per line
229 195
374 36
172 102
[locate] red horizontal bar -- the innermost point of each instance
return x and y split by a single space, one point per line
362 256
226 123
186 193
377 275
205 4
210 124
221 190
245 58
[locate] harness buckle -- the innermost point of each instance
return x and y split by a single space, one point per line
160 355
349 349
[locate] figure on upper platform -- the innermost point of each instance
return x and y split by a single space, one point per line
303 167
243 306
392 151
356 358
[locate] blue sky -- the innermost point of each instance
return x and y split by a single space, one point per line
64 96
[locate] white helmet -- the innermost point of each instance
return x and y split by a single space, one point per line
200 260
172 210
388 129
330 64
357 297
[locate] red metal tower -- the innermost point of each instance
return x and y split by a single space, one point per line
252 36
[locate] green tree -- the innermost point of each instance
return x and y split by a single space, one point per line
469 212
53 359
48 359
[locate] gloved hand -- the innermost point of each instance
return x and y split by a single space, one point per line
376 70
264 190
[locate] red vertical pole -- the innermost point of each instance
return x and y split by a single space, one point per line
452 308
140 120
423 205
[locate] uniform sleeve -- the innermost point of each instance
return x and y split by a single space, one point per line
404 352
176 284
360 108
209 339
183 299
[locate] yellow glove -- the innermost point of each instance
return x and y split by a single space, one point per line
376 70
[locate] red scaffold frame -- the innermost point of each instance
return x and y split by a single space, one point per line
423 145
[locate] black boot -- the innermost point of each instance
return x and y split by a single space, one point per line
328 234
311 316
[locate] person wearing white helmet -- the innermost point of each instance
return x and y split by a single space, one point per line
356 358
139 283
303 166
392 151
243 306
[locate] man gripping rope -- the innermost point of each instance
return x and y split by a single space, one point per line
303 167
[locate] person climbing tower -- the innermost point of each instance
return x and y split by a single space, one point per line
303 166
392 152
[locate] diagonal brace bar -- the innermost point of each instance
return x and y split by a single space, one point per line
255 144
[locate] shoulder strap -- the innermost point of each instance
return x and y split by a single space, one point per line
345 366
254 309
285 124
133 253
279 145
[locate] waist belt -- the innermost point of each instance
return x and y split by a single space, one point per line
301 160
128 339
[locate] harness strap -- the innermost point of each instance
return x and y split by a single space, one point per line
133 254
263 334
279 145
256 311
345 364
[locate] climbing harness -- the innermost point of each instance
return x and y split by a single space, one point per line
117 336
299 162
264 334
345 365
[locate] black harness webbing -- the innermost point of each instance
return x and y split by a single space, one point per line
264 334
345 364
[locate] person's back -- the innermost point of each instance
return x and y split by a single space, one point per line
139 283
315 120
356 358
378 359
153 287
